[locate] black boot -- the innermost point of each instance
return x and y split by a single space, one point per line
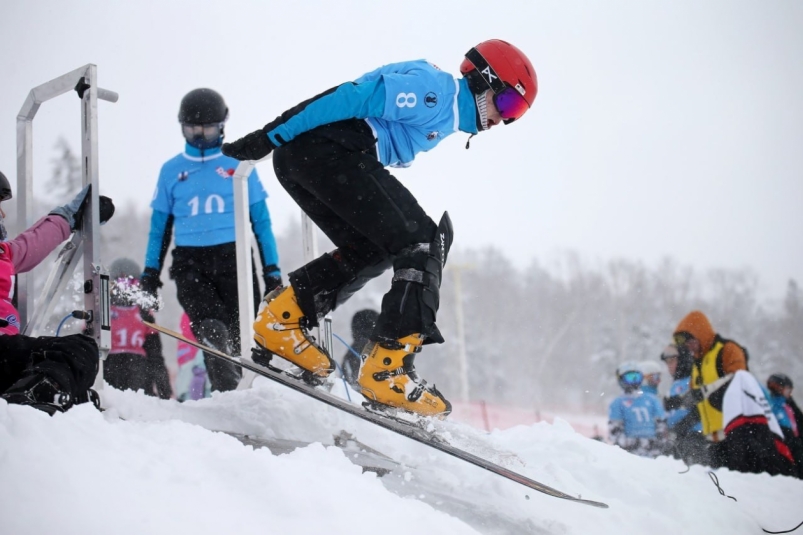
41 392
223 376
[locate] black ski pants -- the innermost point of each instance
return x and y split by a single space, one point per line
752 448
71 361
206 284
333 174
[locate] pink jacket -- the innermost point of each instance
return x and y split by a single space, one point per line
22 254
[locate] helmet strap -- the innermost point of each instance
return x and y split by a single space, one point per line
485 70
482 111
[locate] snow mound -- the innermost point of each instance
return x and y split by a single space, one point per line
153 466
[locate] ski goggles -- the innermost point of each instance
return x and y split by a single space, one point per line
210 133
510 104
668 356
633 378
681 339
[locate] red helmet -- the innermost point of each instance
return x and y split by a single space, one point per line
502 65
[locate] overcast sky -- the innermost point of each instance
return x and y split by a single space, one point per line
660 128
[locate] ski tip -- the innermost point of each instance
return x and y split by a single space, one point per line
592 503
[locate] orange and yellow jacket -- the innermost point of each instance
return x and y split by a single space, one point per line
720 357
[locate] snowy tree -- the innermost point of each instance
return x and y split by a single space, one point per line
66 178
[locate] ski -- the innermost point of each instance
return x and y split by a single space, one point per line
401 427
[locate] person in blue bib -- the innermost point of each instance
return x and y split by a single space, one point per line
194 200
652 376
682 417
330 153
636 419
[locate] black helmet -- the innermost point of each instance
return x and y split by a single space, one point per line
778 381
5 188
124 268
203 106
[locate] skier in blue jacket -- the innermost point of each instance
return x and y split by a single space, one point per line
637 422
195 197
330 154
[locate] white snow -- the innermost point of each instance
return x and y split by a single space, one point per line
153 466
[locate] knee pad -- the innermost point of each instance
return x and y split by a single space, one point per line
422 263
414 298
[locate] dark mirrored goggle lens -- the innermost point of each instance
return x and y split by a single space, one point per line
632 378
510 104
209 132
681 338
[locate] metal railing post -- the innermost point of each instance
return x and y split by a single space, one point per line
96 281
245 272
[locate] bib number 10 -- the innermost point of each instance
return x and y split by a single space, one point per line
213 204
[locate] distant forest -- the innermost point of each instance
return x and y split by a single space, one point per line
546 337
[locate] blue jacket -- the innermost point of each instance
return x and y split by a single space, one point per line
673 417
639 412
781 411
195 194
411 106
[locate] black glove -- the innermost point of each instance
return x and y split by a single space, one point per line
272 278
106 209
150 281
73 211
673 402
254 146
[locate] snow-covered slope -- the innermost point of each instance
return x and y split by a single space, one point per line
151 466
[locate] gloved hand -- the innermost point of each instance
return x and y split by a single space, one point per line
73 211
273 279
150 282
254 146
692 397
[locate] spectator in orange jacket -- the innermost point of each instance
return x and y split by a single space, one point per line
739 425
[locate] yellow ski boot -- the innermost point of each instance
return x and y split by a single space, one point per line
387 377
279 328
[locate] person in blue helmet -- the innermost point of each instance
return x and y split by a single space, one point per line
195 198
686 440
652 376
331 153
636 420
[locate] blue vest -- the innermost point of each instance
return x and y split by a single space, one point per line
639 412
778 404
198 192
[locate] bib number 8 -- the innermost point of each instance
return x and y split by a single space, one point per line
406 100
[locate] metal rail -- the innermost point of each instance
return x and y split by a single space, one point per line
87 241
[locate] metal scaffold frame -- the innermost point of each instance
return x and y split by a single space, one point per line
85 241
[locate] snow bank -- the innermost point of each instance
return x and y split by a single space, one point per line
153 466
